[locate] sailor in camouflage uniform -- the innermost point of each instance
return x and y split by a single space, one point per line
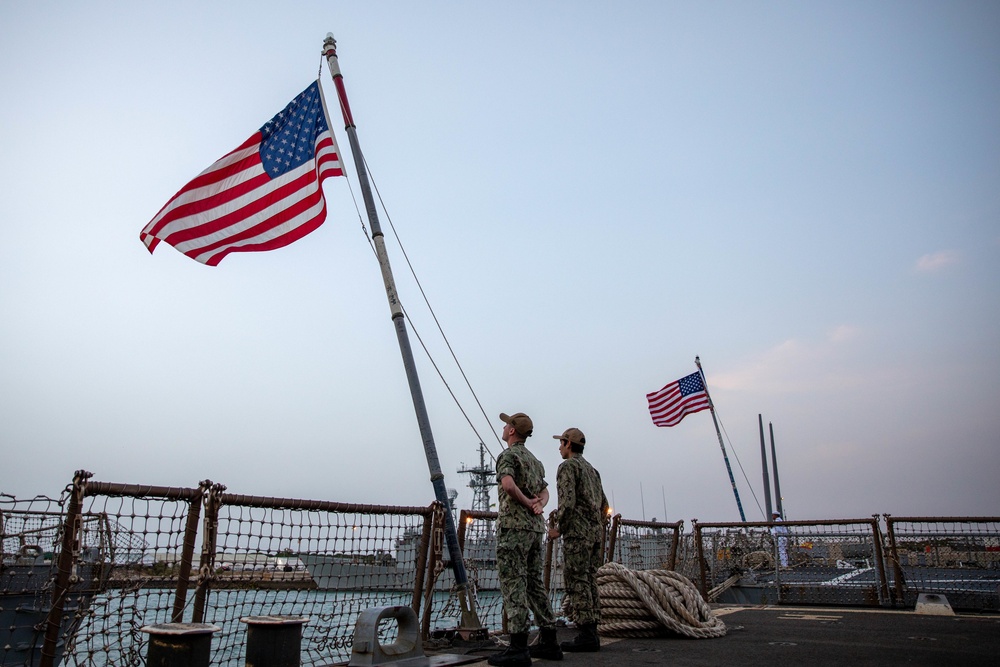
580 520
523 495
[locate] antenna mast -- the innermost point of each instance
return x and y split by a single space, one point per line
483 479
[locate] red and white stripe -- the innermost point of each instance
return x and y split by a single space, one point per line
234 206
668 407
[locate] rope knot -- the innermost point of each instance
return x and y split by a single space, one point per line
653 603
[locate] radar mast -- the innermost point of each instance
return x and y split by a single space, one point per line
482 478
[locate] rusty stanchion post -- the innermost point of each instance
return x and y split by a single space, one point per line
274 641
206 568
899 582
879 555
187 552
675 544
701 558
179 644
421 566
609 556
463 521
549 553
434 548
70 549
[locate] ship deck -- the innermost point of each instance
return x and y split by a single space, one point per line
819 637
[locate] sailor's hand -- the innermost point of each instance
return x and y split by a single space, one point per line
553 533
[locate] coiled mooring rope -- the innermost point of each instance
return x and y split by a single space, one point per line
653 603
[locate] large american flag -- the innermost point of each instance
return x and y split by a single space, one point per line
264 195
671 404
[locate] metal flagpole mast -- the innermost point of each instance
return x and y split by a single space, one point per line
777 486
763 466
725 456
470 620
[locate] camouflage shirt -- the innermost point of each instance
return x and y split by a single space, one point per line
582 504
528 474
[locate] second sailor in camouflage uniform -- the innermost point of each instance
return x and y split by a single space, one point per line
522 496
580 522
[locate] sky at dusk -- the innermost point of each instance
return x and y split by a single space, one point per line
591 194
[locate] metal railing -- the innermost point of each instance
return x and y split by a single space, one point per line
106 560
958 557
644 545
202 555
837 562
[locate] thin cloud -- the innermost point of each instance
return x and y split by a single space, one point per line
843 334
936 261
796 365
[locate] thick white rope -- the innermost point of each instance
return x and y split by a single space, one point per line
653 603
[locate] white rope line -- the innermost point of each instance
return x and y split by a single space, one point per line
653 603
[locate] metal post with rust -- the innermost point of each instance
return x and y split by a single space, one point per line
421 563
701 557
550 545
274 641
463 521
883 582
900 582
605 536
207 563
187 552
433 557
612 538
179 644
675 545
64 576
776 555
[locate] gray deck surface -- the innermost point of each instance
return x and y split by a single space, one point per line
806 636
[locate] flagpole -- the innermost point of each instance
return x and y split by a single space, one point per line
470 620
777 486
725 456
763 465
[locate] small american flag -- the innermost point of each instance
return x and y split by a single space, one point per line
264 195
671 404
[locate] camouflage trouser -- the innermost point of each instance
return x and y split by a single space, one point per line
581 558
519 564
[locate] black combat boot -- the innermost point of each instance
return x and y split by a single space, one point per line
516 655
547 647
586 640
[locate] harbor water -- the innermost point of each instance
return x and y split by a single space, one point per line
110 634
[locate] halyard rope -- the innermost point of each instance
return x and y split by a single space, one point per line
653 603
